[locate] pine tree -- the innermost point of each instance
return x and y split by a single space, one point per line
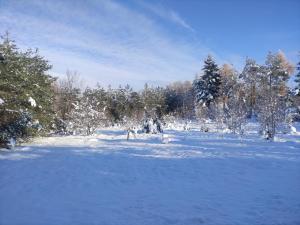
135 107
207 86
179 99
117 103
25 88
153 99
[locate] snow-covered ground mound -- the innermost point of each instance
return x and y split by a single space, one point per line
183 177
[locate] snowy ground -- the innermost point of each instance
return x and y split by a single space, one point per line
196 178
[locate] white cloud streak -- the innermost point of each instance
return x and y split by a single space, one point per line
167 14
104 41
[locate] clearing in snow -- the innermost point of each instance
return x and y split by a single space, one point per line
192 178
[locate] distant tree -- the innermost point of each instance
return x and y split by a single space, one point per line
111 104
135 107
228 83
67 91
86 116
120 100
208 85
295 96
117 103
153 99
236 112
273 91
250 76
207 89
179 99
101 98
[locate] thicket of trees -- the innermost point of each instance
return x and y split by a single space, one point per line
33 102
260 91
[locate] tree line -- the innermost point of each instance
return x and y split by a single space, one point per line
32 102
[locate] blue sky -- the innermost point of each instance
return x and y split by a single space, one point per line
118 42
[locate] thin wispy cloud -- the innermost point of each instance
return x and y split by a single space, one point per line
166 13
105 41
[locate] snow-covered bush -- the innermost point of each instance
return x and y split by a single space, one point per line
236 111
60 126
152 126
20 128
87 115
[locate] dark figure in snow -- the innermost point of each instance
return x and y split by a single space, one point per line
158 125
268 135
146 126
131 130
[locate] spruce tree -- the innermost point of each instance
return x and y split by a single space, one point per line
207 86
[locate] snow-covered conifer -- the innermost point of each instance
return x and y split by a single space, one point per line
207 86
25 87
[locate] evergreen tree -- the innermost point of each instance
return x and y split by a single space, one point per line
153 101
117 103
179 99
135 107
207 86
25 88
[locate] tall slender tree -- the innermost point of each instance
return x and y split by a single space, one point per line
250 76
273 93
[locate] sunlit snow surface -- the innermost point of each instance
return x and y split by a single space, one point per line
194 178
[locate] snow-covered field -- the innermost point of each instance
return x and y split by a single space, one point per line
191 178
